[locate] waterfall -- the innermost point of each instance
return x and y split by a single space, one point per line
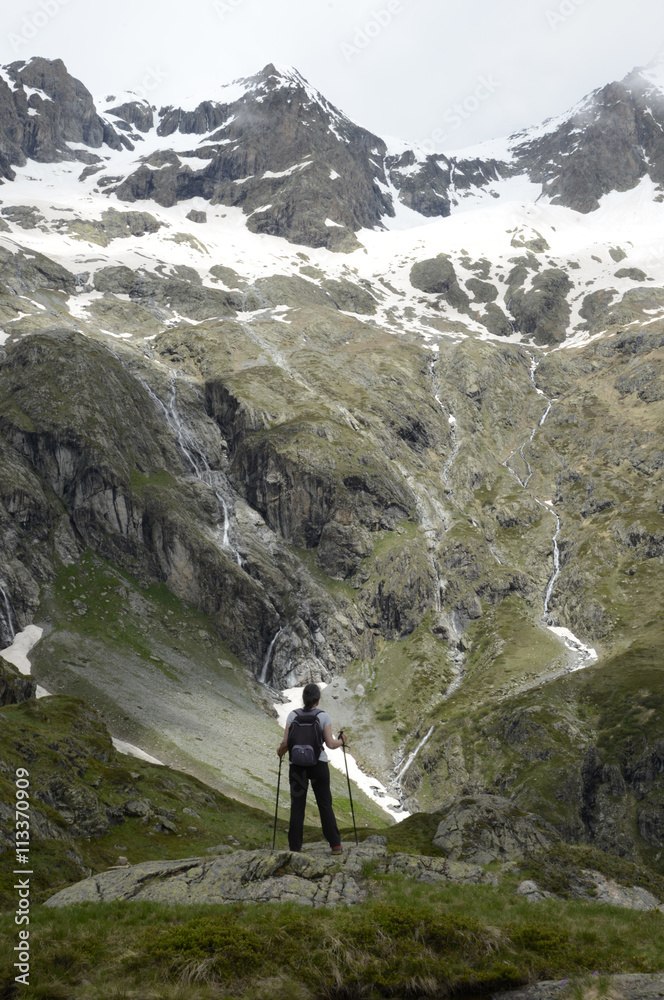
456 444
556 555
411 758
453 454
585 655
7 628
194 456
268 658
529 472
455 654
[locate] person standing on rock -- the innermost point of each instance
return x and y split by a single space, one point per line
309 728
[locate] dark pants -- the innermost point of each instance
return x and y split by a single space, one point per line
299 778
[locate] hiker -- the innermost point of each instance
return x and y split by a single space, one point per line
309 729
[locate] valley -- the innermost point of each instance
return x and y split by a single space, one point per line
280 403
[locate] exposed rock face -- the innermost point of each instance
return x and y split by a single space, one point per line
341 547
14 687
315 166
405 589
311 878
138 113
90 470
543 312
486 828
301 169
432 184
628 987
438 277
59 111
611 141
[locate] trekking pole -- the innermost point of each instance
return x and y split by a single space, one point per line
276 808
350 794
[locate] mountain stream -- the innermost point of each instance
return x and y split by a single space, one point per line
195 458
583 655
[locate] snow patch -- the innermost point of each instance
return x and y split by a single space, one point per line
588 654
288 171
132 751
17 653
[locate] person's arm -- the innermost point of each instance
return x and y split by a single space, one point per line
330 742
283 746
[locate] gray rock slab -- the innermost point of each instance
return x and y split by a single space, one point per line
313 877
626 987
244 876
632 898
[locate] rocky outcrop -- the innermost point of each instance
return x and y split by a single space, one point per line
485 828
300 169
296 166
434 183
23 272
608 143
182 293
310 878
138 113
14 687
45 111
438 277
542 313
635 986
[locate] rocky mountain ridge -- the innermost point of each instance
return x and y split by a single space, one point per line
299 168
426 470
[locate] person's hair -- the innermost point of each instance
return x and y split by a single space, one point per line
310 695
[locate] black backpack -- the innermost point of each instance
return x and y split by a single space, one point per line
305 738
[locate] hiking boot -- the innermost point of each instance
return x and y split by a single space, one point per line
338 850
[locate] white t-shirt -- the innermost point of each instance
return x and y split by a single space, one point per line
323 721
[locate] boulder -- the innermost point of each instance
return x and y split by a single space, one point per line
437 276
484 828
531 891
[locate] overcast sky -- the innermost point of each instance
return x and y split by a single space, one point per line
450 74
